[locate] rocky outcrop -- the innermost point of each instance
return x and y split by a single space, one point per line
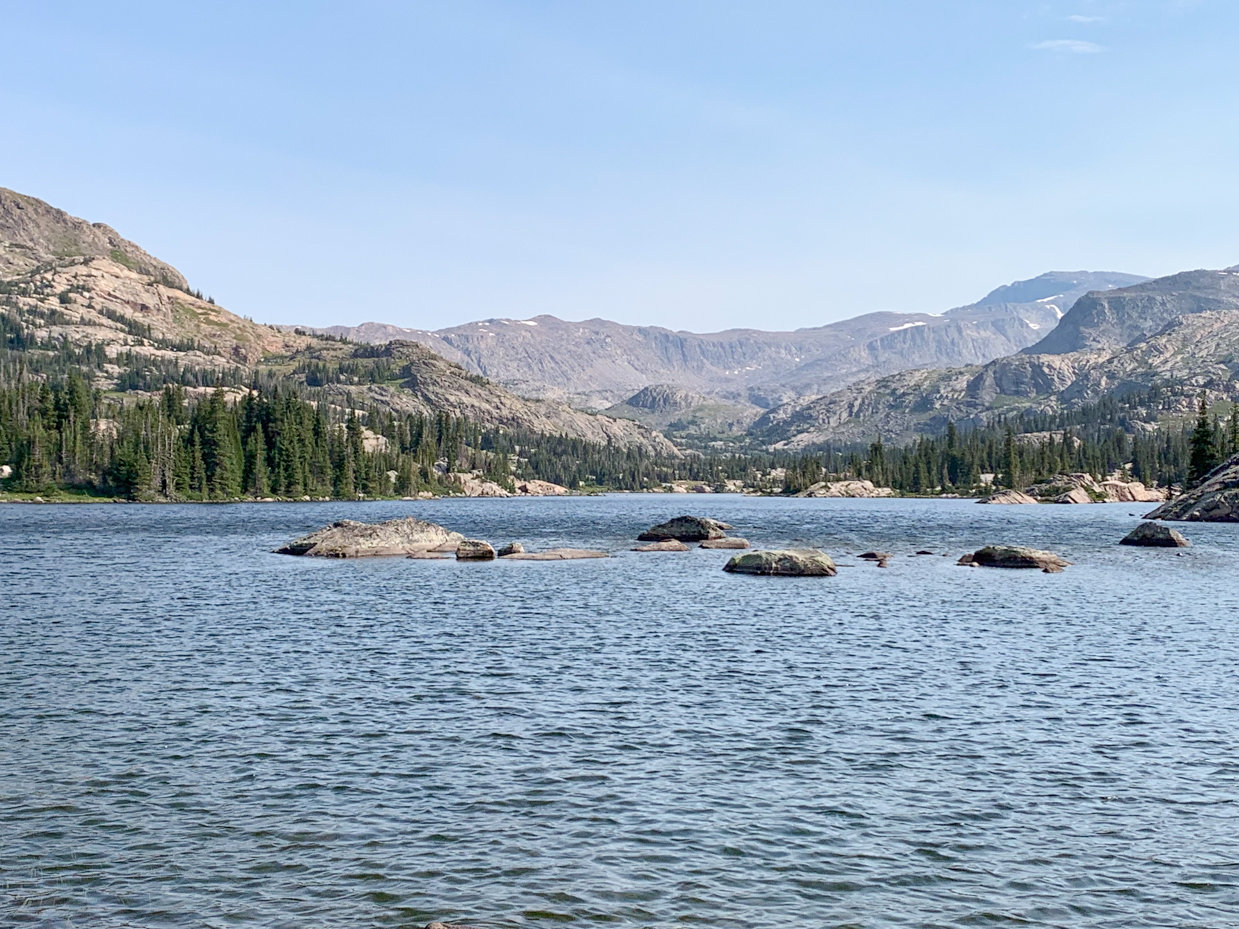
541 489
350 539
783 563
725 543
846 489
1006 556
666 545
1075 495
685 529
474 550
1117 491
1215 500
1152 535
512 548
1009 497
556 554
472 486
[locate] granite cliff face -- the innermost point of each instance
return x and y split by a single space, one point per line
600 363
1187 353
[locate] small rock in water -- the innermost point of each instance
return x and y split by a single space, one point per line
796 562
725 543
686 529
875 556
350 539
512 548
666 545
1010 556
1153 535
474 550
556 554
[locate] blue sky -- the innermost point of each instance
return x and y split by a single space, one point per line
696 165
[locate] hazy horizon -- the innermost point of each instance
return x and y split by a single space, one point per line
698 167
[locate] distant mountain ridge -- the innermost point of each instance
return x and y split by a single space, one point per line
597 362
1177 335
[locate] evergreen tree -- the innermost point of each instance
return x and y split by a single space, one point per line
1204 456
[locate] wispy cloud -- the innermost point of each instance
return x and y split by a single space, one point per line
1077 18
1069 46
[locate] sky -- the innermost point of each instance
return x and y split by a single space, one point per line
696 165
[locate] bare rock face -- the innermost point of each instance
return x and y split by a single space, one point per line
802 562
726 543
846 489
474 550
541 489
685 529
1216 500
1008 497
666 545
1131 492
350 539
556 554
1009 556
1152 535
1075 495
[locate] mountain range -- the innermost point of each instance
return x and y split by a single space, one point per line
1165 340
597 363
1054 342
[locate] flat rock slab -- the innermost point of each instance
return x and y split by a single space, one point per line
556 554
1009 556
686 529
791 562
1152 535
1009 497
350 539
666 545
726 543
427 556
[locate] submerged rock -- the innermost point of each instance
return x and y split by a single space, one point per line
1011 556
725 543
350 539
686 529
798 562
875 556
1216 500
666 545
474 550
427 556
1008 497
556 554
512 548
1153 535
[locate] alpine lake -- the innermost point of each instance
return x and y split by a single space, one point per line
199 733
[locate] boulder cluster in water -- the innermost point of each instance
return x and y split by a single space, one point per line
419 539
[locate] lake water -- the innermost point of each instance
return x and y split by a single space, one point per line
196 732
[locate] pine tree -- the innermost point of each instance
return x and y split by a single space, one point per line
1203 445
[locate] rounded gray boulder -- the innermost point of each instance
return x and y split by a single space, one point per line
793 562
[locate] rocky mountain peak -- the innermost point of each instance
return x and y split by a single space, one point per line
33 232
